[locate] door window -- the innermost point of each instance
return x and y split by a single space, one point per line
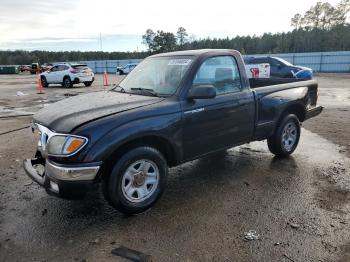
274 62
221 72
62 67
54 69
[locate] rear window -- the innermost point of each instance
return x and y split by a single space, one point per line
80 67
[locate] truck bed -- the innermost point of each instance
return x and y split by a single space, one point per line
275 96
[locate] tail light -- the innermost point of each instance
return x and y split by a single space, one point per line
74 71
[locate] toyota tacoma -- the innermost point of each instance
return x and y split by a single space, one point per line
172 108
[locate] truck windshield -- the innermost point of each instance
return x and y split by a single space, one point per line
156 75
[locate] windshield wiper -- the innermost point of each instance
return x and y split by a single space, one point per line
117 88
144 90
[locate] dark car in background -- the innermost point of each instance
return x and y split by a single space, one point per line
124 70
281 68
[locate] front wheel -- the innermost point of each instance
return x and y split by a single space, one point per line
137 180
44 82
286 137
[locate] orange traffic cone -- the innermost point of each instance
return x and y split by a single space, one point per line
40 85
105 79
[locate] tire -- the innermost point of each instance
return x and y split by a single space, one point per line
121 72
286 137
44 82
67 83
127 190
88 83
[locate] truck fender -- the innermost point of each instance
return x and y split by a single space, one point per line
272 107
168 131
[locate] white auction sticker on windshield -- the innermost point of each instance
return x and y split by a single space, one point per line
182 62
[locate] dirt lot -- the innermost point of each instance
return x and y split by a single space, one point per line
299 206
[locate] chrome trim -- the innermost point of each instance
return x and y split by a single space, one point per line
198 110
45 136
70 173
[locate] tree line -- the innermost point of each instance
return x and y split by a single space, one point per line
21 57
322 28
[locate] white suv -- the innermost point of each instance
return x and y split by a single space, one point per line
67 75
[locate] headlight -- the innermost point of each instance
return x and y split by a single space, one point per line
65 145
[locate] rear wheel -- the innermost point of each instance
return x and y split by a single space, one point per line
286 137
67 83
120 72
137 180
44 82
88 83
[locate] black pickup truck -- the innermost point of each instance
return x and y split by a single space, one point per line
172 108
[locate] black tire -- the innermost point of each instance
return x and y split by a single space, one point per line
88 83
275 144
44 82
67 83
112 184
121 72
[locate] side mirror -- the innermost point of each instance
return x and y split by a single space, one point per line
201 92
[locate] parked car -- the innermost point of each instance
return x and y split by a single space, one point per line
173 108
124 70
46 67
24 68
280 67
67 75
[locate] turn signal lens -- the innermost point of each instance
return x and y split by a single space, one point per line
72 144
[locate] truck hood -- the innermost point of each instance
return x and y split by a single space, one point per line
65 115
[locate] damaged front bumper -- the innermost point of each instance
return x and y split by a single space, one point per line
64 181
313 111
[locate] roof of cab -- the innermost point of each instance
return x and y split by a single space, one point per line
196 52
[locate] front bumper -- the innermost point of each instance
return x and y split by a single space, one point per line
63 181
314 111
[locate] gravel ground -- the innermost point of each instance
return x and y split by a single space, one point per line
299 207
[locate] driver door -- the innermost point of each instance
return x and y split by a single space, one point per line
220 122
51 75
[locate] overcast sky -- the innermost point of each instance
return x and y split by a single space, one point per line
77 24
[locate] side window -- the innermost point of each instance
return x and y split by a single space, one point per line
62 67
261 61
221 72
54 69
274 62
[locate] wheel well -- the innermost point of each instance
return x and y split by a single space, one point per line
296 109
156 142
66 76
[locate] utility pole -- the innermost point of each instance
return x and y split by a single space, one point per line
101 42
104 71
